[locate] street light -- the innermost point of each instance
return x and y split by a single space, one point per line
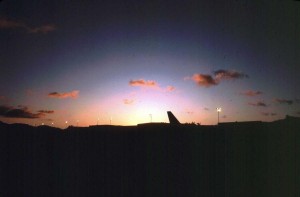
218 110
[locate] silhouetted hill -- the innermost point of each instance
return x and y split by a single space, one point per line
233 159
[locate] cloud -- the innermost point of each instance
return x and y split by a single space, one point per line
258 104
143 83
22 112
204 80
284 101
224 116
150 84
46 111
3 98
128 101
10 24
170 88
189 112
42 29
228 74
251 93
206 109
268 114
73 94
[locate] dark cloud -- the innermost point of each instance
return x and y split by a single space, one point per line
297 100
190 112
268 114
204 80
63 95
4 109
206 109
22 112
224 116
228 74
258 104
11 112
10 24
46 111
251 93
284 101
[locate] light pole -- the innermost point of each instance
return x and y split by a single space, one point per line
218 110
150 117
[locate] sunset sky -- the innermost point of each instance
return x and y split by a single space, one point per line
114 61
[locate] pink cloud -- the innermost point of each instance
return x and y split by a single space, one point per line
204 80
151 84
218 76
10 24
42 29
143 83
128 101
170 88
7 24
251 93
73 94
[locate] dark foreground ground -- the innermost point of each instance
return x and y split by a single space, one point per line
242 159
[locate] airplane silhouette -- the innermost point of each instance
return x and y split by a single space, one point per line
172 119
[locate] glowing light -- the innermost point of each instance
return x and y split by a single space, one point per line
219 110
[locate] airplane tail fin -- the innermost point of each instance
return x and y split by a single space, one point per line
172 118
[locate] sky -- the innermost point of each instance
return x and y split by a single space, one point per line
128 62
